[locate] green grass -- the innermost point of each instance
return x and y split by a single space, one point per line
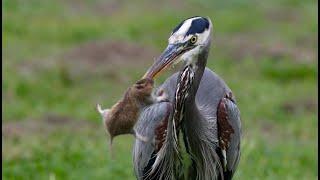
275 93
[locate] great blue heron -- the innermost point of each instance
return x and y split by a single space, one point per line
201 106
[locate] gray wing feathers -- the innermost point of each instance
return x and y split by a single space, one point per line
149 118
233 152
212 88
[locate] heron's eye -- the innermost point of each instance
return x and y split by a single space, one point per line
193 39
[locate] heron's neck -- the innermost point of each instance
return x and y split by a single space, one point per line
187 87
192 116
199 68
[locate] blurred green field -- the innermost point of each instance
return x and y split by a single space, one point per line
60 58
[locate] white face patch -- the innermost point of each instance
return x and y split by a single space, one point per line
189 56
202 38
179 35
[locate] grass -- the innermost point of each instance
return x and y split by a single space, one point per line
275 89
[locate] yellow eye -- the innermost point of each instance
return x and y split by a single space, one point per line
193 39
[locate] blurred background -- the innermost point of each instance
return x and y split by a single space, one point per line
62 57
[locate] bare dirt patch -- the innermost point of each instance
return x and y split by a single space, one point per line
308 105
95 55
239 47
101 8
24 138
117 8
44 126
108 57
110 53
87 61
283 15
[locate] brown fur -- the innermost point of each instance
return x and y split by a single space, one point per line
124 114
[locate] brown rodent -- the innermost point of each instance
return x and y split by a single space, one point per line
121 117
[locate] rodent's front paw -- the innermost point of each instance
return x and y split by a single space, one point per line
162 96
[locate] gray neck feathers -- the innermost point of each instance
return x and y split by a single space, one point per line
198 139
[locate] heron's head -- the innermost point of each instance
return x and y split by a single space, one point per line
187 40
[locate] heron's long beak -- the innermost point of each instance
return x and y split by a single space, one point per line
168 57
